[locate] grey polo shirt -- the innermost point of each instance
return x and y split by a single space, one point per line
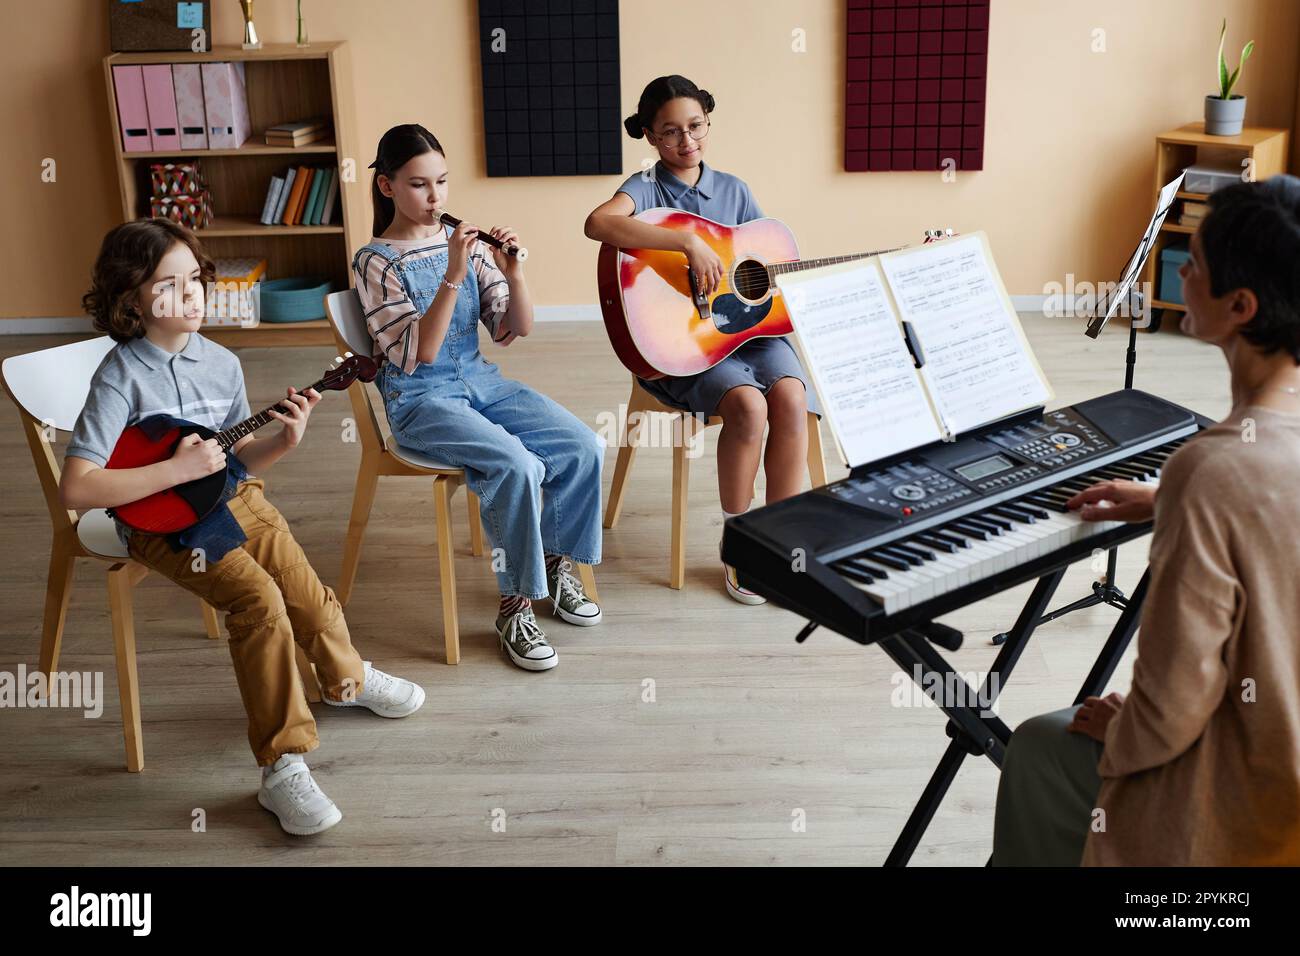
722 197
202 383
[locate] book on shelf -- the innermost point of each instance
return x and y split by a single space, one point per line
290 178
313 198
272 200
298 133
328 210
299 182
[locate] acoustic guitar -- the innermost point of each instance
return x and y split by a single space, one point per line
180 507
659 322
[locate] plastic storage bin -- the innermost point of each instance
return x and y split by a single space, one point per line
1171 283
1206 179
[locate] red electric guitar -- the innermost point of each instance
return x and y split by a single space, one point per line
659 323
175 509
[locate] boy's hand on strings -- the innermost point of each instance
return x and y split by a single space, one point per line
1131 501
511 267
298 406
196 457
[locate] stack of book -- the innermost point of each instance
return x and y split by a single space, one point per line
298 133
1193 213
302 196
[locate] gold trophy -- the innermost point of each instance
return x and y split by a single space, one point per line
251 40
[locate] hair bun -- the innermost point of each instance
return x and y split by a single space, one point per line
707 101
633 126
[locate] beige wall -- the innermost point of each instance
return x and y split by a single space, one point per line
1068 155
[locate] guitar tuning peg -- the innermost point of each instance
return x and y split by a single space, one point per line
339 359
347 354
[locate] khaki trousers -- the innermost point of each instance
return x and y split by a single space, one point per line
271 598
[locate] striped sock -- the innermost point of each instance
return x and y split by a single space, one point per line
512 604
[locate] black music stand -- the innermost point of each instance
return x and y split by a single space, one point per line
1134 305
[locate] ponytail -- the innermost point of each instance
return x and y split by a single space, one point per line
396 148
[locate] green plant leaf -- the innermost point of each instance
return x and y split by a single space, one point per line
1223 64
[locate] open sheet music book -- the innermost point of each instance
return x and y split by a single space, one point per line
852 322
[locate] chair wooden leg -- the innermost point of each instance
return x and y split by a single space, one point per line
588 576
210 623
681 484
816 459
622 467
128 685
442 490
475 522
307 671
362 500
58 589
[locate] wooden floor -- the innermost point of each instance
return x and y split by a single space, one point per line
745 729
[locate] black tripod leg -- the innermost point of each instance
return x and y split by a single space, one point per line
964 719
925 808
1116 644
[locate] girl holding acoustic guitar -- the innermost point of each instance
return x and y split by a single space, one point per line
759 385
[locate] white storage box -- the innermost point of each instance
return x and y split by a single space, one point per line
1206 179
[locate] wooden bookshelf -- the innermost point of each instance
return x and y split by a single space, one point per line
1187 146
283 82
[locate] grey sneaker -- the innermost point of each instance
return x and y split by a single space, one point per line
525 643
568 599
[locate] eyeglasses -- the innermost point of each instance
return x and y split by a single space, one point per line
672 137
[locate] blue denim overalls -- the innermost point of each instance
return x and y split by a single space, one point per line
534 465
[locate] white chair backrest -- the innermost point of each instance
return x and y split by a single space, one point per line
349 321
51 385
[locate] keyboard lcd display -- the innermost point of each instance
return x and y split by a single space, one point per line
977 470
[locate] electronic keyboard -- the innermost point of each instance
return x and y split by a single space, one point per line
908 538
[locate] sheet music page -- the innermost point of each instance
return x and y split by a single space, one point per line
853 348
978 365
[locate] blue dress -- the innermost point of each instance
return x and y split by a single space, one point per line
761 362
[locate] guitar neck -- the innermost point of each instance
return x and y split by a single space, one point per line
798 265
234 433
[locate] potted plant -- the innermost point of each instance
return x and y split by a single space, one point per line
1224 113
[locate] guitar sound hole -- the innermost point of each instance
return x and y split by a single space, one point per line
751 279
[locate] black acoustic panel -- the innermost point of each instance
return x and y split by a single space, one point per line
551 97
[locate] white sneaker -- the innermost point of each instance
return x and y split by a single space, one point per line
738 593
289 792
384 694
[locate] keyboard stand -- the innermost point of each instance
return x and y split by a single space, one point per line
972 731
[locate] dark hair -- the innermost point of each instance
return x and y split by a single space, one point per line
396 148
128 256
659 91
1251 240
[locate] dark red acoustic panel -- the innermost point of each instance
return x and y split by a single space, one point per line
915 84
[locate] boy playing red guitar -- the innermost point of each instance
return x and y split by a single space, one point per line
147 293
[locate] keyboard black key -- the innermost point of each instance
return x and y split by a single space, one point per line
939 544
888 560
896 552
910 548
875 570
1050 504
952 538
1034 512
1013 513
995 524
972 530
857 574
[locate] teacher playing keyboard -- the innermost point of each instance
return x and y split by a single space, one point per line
1200 764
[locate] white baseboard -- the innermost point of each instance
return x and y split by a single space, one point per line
584 312
57 324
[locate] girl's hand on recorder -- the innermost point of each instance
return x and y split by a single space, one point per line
511 267
459 247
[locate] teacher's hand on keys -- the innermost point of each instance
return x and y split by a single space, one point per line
1131 501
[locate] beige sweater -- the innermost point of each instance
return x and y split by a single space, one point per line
1202 764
